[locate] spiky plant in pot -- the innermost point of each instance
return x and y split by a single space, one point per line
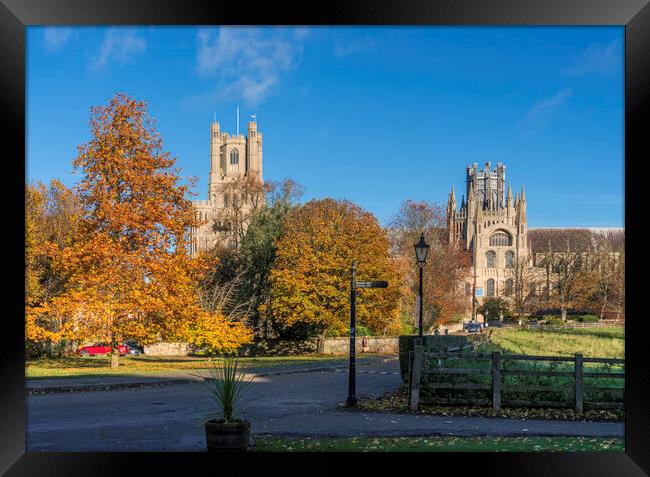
226 385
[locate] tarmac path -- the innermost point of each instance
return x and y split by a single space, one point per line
170 418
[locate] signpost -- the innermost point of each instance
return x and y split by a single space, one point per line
381 284
352 385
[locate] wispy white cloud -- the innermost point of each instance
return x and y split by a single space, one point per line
248 63
55 38
300 33
352 46
120 45
543 109
598 58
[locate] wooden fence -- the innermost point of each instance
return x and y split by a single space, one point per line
497 386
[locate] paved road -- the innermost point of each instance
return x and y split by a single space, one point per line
170 417
100 383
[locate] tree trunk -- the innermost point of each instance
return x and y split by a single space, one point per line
115 354
602 308
563 313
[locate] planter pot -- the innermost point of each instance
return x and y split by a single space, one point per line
227 436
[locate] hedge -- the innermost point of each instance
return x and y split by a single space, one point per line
587 318
432 344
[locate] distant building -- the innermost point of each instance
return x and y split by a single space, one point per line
492 226
232 156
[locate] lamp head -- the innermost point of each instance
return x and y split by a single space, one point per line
421 251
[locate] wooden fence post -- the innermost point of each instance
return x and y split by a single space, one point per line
579 383
496 380
418 359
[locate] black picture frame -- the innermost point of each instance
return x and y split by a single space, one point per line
15 15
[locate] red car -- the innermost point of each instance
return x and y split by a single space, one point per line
100 348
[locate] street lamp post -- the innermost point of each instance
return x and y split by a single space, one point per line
421 251
352 374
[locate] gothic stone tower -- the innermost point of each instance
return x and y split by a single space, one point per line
231 157
493 227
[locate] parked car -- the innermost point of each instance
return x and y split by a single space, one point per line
474 327
100 348
134 348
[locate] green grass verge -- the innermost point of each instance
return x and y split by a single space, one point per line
592 342
94 366
438 444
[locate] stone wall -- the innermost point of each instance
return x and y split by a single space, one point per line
279 348
452 327
341 345
167 349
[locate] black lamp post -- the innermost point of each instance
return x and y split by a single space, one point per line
421 251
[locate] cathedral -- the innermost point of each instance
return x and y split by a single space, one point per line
492 225
232 157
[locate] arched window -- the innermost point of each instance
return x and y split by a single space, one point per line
490 257
500 238
508 287
490 287
510 259
225 200
234 157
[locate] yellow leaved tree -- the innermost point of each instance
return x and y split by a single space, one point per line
310 280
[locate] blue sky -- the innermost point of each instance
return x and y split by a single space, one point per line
376 115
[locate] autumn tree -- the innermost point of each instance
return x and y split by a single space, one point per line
310 279
258 249
618 290
242 273
524 279
129 272
52 215
446 265
572 279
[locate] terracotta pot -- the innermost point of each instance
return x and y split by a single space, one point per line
227 436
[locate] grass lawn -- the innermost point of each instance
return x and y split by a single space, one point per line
592 342
72 366
439 444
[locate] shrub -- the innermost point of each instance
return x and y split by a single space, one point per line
553 320
495 307
364 331
587 318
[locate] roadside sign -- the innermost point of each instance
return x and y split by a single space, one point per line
375 284
479 291
354 285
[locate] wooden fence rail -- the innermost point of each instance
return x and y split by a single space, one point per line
418 360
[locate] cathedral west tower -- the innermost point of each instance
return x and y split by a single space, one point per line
232 157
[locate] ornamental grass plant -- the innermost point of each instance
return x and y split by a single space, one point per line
226 385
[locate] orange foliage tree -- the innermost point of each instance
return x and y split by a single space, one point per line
52 215
310 279
129 272
445 270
